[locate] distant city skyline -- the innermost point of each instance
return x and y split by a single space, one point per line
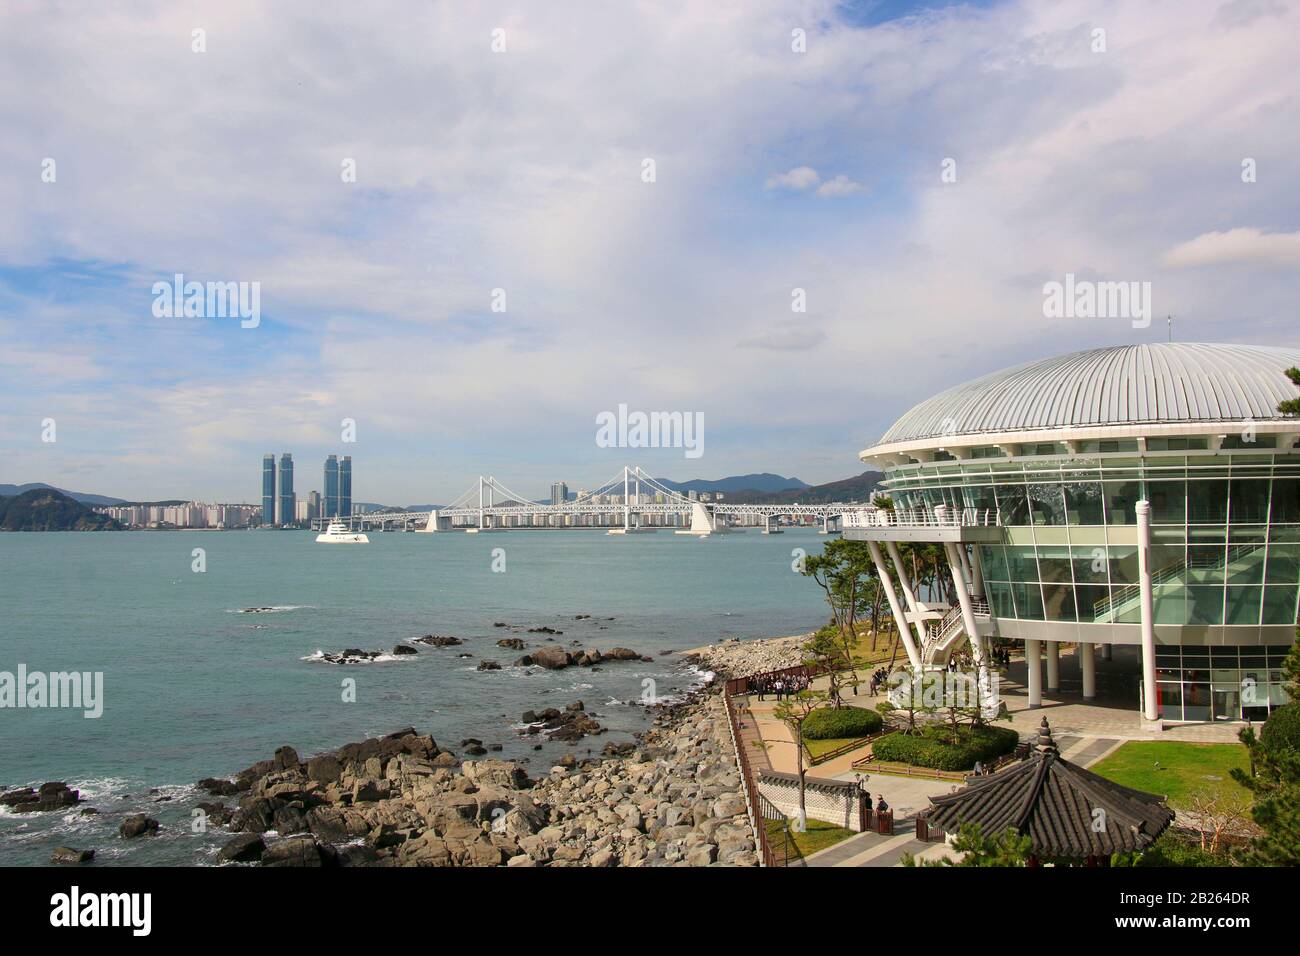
792 243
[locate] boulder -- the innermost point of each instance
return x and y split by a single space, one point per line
137 825
295 851
244 848
66 854
552 658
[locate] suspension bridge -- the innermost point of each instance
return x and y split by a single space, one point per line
630 502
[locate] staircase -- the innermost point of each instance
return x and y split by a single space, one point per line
942 636
1125 599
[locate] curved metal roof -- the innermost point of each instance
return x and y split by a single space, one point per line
1123 385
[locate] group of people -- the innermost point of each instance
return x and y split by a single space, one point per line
878 678
784 685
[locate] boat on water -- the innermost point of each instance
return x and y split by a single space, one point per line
339 533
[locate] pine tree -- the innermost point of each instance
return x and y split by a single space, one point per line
1292 405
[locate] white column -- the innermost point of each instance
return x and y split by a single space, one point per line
1053 665
480 501
909 595
627 507
913 656
977 571
1088 664
1149 709
967 612
1034 664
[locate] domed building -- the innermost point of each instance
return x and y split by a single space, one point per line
1143 495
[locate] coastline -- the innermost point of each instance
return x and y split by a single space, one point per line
673 796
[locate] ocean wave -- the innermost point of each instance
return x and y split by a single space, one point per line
270 609
339 659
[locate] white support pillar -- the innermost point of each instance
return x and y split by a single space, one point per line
909 595
1053 665
904 633
480 501
1088 665
1149 709
1034 665
966 573
967 611
627 506
977 572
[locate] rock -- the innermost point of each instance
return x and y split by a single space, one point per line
552 658
513 643
66 854
543 630
729 805
54 795
324 768
218 787
286 758
295 851
439 640
623 654
404 649
488 666
244 848
137 825
603 858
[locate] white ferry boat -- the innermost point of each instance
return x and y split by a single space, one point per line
338 533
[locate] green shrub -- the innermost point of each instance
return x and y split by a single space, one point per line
933 748
1281 730
829 723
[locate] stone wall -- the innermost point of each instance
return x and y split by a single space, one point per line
831 801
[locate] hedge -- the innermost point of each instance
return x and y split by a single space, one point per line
1282 729
829 723
930 747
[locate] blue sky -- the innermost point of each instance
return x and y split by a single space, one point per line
522 170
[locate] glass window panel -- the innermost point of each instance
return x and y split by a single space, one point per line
1021 563
1029 602
1170 698
1245 564
1207 501
1280 603
1058 602
1054 564
1277 695
1226 701
1123 565
1089 565
1168 501
994 562
1083 502
1205 563
1248 501
1196 701
1000 600
1205 605
1168 563
1093 604
1013 504
1121 501
1125 605
1283 564
1286 501
1171 603
1047 504
1243 604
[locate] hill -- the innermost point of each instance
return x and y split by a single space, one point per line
44 509
858 488
763 481
83 497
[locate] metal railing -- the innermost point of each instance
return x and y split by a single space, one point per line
923 518
1121 599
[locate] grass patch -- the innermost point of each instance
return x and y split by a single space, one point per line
1185 768
818 836
816 748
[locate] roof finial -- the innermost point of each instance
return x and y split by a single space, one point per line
1045 742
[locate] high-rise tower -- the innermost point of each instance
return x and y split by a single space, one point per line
286 506
330 502
345 486
268 489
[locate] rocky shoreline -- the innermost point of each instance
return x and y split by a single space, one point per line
674 797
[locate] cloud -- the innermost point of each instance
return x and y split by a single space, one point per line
1242 245
799 178
840 186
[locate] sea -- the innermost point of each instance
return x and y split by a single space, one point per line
195 684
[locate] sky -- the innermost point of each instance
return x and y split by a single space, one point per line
503 268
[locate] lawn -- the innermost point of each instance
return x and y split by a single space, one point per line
816 748
818 836
1184 769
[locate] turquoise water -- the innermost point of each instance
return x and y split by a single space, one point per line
193 688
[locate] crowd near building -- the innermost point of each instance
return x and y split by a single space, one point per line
1140 501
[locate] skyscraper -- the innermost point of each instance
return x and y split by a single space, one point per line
559 493
268 489
330 503
286 511
345 486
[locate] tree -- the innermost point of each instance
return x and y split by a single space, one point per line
793 711
843 570
1292 405
829 653
1008 848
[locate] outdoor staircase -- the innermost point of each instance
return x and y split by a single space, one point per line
1125 599
942 636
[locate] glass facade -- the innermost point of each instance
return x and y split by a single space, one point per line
1220 683
1225 537
345 486
268 489
288 501
330 503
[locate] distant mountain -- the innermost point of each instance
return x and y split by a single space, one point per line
765 481
858 489
45 509
84 498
